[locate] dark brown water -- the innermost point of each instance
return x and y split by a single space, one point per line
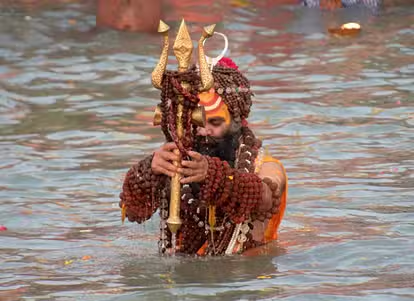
76 108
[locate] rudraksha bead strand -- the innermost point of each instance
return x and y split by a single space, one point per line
236 193
245 196
171 90
276 199
193 234
212 189
248 151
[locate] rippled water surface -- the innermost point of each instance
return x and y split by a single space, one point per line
76 107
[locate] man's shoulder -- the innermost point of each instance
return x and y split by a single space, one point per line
265 160
270 158
265 157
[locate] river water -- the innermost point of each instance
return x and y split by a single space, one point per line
76 107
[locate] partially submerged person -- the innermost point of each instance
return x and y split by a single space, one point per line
133 15
233 196
334 4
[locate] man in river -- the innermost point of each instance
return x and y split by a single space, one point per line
334 4
227 168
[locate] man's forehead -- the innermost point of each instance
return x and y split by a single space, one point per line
214 105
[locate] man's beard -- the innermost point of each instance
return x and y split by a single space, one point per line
224 148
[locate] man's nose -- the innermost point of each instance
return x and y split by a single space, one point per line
204 131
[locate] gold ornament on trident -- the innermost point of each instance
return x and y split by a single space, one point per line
183 48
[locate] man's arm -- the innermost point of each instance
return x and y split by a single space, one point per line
272 191
272 209
140 191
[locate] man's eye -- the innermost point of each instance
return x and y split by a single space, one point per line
216 122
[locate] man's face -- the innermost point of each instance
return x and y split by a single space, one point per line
216 127
218 139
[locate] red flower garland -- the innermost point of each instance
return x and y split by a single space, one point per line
227 62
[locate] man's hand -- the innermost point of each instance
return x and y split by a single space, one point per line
267 199
162 162
194 170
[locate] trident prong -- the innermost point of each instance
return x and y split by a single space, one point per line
158 73
183 47
207 79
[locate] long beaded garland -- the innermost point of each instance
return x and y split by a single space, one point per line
236 193
169 104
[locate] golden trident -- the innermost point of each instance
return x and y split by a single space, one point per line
183 48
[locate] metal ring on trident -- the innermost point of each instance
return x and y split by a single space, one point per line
212 61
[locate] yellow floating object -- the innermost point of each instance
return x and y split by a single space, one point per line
264 277
346 29
351 26
67 262
376 111
240 3
123 213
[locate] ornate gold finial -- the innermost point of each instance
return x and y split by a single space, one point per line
207 79
163 27
183 47
208 31
158 73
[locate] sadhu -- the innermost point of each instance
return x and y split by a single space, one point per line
212 183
